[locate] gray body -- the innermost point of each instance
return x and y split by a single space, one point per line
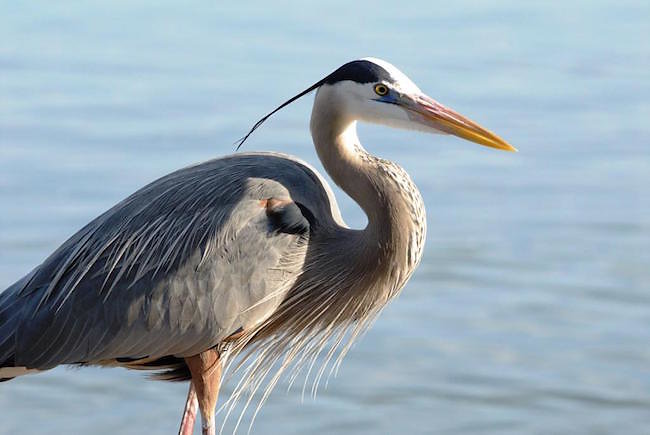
173 269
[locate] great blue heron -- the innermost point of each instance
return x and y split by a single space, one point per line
245 252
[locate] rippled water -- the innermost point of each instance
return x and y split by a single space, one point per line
531 310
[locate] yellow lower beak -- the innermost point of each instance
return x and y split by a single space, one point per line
448 121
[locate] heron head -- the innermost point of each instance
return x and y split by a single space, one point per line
373 90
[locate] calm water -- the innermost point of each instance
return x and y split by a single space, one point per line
531 311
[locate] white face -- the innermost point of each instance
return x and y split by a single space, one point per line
384 102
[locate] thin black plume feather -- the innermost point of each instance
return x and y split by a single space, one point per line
241 141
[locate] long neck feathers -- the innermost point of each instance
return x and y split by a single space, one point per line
394 237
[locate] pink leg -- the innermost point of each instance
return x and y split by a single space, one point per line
206 378
189 415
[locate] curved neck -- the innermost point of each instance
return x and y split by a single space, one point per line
392 203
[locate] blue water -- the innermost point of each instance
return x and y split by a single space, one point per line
530 313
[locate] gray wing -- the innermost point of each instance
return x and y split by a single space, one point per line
171 270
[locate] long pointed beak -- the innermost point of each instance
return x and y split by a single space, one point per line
446 120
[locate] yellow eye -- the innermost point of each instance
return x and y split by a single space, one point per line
381 90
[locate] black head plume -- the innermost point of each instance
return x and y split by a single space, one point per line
359 71
241 141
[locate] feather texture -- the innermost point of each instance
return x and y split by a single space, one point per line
171 270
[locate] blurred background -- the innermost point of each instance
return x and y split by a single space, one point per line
530 313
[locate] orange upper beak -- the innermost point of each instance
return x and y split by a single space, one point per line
446 120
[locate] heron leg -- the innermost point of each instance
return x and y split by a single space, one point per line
206 379
189 415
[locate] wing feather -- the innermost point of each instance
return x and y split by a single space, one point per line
171 270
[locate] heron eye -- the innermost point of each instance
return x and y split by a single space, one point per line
381 90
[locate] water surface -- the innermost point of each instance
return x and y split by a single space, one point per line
530 313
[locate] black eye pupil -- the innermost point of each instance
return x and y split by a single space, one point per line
381 89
